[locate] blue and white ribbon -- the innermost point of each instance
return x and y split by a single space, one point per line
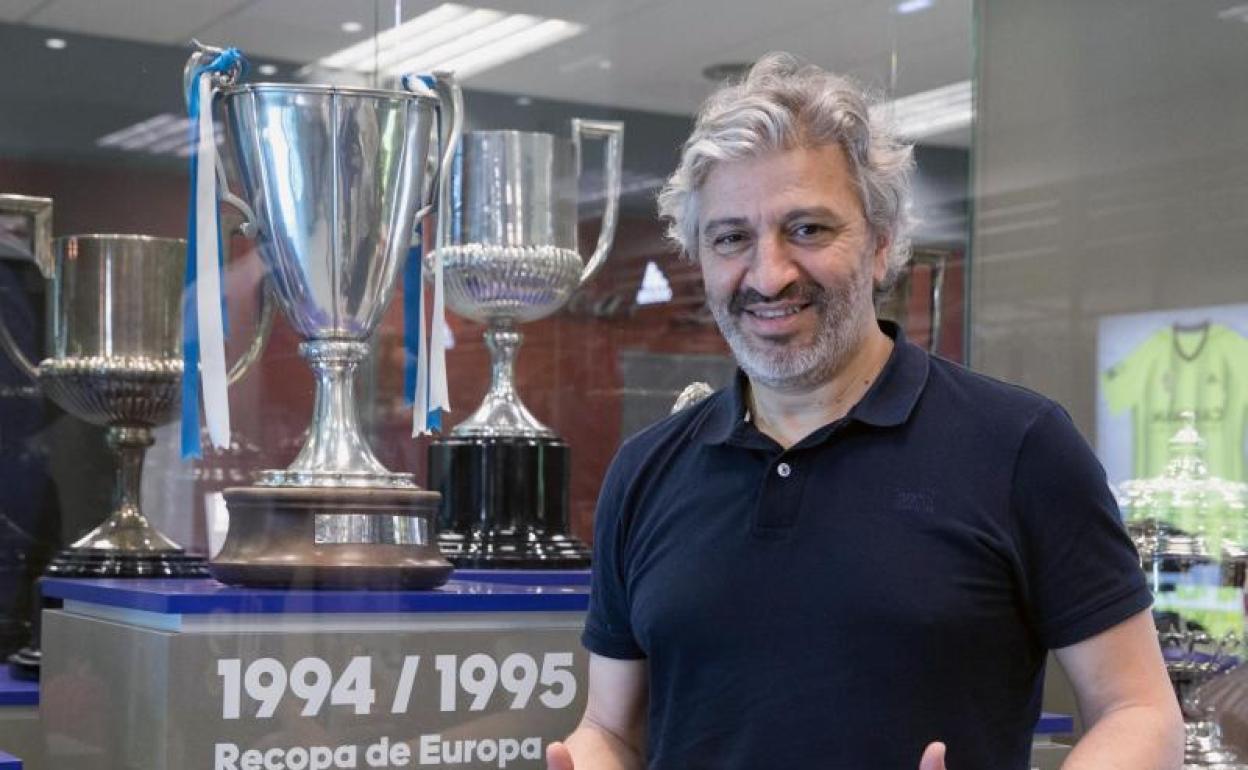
203 319
425 377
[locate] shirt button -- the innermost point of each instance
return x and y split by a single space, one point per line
784 470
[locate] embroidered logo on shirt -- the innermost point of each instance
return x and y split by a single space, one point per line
914 501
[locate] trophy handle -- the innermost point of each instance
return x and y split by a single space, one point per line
613 158
451 99
938 263
15 354
243 365
40 211
203 54
249 228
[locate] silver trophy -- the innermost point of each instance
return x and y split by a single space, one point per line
336 177
507 240
1182 520
115 328
508 244
1195 660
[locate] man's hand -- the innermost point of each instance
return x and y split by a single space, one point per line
933 759
558 757
611 735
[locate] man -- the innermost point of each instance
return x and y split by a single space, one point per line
857 555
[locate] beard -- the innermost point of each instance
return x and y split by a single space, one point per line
792 365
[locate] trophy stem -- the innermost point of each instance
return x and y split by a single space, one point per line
335 453
127 528
504 342
130 443
335 416
502 413
336 440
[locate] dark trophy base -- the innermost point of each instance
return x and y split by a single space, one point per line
505 503
24 664
97 563
279 538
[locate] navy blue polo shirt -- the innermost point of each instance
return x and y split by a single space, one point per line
894 578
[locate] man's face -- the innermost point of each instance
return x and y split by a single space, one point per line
789 262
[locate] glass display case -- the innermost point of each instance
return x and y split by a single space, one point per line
412 249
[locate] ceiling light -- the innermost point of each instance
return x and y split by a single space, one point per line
267 69
913 6
360 55
498 28
55 43
451 37
351 27
1234 13
929 112
533 39
164 134
141 132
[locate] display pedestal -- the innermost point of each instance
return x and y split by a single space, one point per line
505 503
328 537
190 673
1046 752
20 735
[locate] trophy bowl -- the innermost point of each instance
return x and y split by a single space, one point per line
510 283
106 391
509 251
509 248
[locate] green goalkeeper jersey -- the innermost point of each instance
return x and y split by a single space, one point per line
1203 370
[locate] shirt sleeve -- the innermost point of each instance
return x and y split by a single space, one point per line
1082 572
608 627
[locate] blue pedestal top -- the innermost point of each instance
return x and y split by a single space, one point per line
527 577
16 692
1055 724
9 762
195 596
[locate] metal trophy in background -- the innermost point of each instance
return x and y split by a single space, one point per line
507 239
1195 660
1185 516
1187 521
335 176
896 303
115 328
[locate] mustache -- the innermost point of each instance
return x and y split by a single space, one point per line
804 292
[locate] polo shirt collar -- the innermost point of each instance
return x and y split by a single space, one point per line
888 402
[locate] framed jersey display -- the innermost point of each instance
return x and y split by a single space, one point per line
1151 368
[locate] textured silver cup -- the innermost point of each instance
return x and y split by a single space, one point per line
507 239
115 331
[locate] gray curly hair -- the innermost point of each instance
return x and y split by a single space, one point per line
784 104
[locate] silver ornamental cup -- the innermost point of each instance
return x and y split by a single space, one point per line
335 176
508 243
507 239
115 327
